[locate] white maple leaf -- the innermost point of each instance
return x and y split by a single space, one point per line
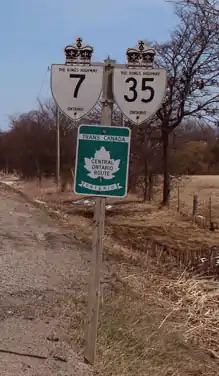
114 170
102 166
88 164
102 154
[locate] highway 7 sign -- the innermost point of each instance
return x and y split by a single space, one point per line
76 88
139 92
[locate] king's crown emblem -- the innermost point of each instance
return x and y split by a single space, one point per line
78 53
140 56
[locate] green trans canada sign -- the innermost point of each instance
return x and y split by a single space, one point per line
102 161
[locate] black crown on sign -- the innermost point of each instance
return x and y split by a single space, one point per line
141 55
78 53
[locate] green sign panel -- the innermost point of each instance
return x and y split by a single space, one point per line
102 161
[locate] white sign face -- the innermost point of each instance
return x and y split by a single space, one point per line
76 89
139 92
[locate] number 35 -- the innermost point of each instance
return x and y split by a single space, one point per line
144 87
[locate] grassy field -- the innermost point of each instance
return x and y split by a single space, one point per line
137 221
155 317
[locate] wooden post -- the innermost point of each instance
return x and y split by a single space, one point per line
98 232
178 199
58 148
94 286
210 210
195 206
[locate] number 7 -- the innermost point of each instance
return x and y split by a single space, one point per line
77 87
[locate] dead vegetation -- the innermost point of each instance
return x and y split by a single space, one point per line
159 325
156 317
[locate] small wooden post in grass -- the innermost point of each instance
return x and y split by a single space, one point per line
210 210
195 206
178 199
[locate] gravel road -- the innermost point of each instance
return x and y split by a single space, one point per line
43 272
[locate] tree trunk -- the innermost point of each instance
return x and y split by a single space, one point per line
151 185
146 166
166 178
38 172
145 179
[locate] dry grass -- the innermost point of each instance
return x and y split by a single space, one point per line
205 186
154 320
145 220
145 329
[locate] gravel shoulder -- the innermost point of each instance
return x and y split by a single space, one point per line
41 266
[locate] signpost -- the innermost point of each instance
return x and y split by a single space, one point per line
102 159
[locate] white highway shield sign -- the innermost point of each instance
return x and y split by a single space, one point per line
76 89
139 92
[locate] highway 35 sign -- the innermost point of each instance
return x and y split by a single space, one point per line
102 161
139 92
138 88
76 88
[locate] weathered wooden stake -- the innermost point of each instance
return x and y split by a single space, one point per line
210 210
195 206
178 199
98 232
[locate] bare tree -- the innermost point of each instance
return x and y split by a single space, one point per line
191 60
206 6
144 157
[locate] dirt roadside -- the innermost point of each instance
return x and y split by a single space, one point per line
152 320
43 274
